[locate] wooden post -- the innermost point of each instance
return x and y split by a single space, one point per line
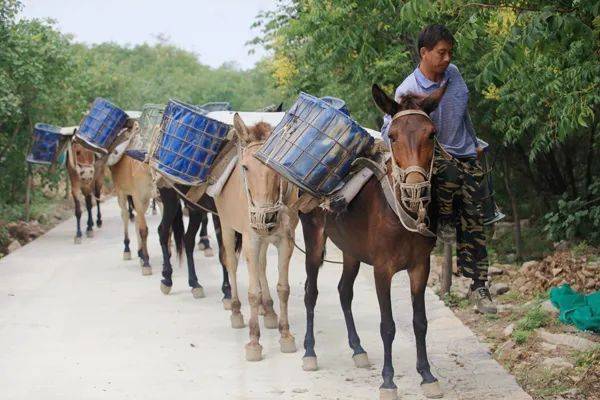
29 184
446 278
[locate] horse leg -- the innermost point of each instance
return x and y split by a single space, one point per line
387 329
287 342
252 254
190 242
418 281
77 216
346 292
314 240
231 262
89 232
225 286
154 206
171 207
141 205
270 318
204 242
131 207
97 193
125 218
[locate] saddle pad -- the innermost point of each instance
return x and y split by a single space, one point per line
117 153
139 155
214 189
68 130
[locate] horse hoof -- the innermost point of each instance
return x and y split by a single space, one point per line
227 304
126 255
432 390
261 310
208 252
271 321
198 292
361 360
253 352
287 345
146 271
309 364
237 321
77 240
89 234
99 224
388 394
164 288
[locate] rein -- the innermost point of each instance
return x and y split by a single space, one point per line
258 214
414 197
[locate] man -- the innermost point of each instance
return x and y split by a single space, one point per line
457 169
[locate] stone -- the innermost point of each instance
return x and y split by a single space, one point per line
529 265
503 351
556 363
496 289
511 258
562 339
508 330
549 308
493 270
505 308
14 245
563 245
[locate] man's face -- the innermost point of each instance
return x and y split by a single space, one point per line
438 58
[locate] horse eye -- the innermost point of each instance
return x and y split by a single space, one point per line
432 135
245 168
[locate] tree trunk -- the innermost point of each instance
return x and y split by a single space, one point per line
515 211
590 159
446 278
27 210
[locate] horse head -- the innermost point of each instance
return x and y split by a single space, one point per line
411 140
263 186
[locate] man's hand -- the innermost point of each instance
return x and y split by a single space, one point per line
479 151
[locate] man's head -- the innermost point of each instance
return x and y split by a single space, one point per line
435 46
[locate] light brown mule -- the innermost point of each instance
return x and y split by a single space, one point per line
86 174
254 202
133 178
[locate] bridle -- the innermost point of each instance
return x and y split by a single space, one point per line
258 215
414 197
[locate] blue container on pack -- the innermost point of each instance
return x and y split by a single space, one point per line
101 125
315 144
46 144
187 144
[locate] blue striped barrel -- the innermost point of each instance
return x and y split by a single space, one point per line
188 143
45 145
101 125
315 144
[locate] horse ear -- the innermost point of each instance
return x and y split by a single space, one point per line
279 108
240 128
431 102
383 101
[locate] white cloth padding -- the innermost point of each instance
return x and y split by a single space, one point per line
68 130
374 133
249 118
215 189
116 155
354 185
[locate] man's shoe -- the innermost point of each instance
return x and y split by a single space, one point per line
482 300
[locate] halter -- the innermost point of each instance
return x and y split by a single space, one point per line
258 214
414 197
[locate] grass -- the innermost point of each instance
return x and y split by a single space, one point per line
587 359
453 300
534 318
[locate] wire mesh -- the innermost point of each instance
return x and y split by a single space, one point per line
187 143
46 144
314 145
150 123
101 125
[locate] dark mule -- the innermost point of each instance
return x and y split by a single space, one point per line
383 241
172 219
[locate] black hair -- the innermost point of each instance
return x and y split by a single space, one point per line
432 34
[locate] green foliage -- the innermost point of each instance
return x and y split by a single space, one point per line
521 336
454 300
588 358
535 318
577 218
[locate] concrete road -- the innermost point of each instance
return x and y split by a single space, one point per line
78 322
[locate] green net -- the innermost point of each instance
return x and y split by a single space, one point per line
150 122
577 309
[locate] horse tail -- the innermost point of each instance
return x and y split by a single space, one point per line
178 232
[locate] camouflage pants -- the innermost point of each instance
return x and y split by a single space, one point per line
457 182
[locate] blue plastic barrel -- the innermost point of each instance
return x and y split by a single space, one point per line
45 145
188 143
101 125
315 144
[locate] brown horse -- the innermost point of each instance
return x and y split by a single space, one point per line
86 174
382 239
134 184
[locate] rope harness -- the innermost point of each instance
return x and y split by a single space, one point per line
259 216
414 197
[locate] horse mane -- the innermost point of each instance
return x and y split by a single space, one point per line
260 131
410 101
